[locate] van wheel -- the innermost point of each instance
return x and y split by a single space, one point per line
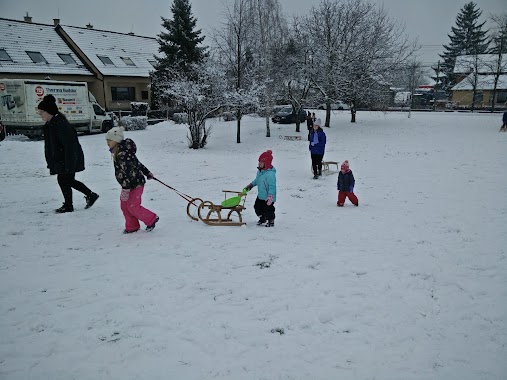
106 126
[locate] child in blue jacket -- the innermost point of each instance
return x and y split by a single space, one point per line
266 196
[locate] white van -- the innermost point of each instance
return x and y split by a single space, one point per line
19 99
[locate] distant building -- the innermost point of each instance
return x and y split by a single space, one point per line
116 66
480 70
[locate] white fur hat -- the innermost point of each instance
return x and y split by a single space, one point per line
317 122
115 134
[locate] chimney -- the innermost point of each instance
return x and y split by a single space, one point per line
28 18
56 21
89 26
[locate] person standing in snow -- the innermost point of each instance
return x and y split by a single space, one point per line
504 120
309 123
317 148
345 185
265 180
130 173
64 155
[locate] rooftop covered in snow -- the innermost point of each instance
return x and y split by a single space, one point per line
27 47
112 53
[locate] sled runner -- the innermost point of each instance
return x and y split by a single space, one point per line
328 167
292 138
211 213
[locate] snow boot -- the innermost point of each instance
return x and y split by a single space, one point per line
125 232
261 221
152 226
90 199
270 223
316 176
64 209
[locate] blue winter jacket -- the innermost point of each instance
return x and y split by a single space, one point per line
320 147
504 118
266 183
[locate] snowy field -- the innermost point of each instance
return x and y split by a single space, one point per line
412 284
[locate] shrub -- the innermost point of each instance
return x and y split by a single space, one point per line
134 123
139 108
180 118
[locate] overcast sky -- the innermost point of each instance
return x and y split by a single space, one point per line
428 20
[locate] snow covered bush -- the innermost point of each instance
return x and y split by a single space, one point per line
134 123
180 118
139 108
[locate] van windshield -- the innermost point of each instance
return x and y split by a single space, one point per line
286 110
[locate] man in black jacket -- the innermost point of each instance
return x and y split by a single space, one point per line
504 120
64 154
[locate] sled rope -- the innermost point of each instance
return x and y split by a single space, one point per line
186 197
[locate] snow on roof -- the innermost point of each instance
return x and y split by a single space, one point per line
122 54
19 37
486 63
485 82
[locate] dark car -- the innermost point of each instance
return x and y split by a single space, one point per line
287 116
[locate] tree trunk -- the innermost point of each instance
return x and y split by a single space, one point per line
268 130
353 112
238 129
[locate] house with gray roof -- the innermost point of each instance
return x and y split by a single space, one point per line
35 51
121 62
485 72
116 66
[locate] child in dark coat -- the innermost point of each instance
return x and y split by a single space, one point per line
130 173
345 185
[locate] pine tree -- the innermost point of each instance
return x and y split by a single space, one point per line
499 39
467 38
179 46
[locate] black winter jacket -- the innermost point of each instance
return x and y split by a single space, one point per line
129 171
63 152
346 181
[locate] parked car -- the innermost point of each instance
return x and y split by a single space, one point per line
338 105
287 116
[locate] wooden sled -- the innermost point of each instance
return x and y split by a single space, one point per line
292 138
211 213
328 167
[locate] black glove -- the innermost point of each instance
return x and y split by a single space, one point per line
150 175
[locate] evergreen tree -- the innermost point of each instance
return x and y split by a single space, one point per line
499 38
467 38
178 45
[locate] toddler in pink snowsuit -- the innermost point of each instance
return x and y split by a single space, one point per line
130 172
345 185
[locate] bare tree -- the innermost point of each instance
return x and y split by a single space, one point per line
360 49
272 29
499 41
200 97
235 42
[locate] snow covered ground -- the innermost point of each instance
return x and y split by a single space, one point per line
412 284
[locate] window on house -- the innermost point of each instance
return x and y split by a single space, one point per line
153 63
105 60
123 93
144 95
501 96
4 56
36 57
128 61
67 58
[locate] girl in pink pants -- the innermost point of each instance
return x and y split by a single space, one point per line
130 174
